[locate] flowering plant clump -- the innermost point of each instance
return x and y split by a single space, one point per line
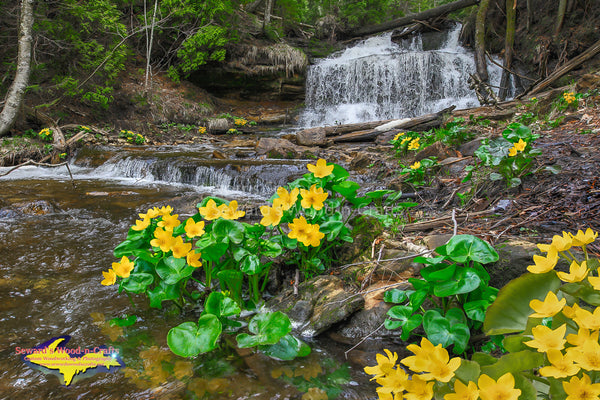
132 137
46 134
417 171
511 155
240 122
180 261
233 131
550 320
406 141
202 130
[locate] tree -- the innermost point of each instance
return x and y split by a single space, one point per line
15 95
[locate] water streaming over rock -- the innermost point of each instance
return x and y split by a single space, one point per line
378 79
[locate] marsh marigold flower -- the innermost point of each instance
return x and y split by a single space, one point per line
193 259
398 136
594 281
321 169
165 210
547 308
582 336
544 264
561 366
110 277
545 338
503 389
519 146
169 222
577 272
123 268
586 319
416 165
286 200
180 248
581 239
581 388
231 211
560 243
385 365
586 356
433 361
414 144
392 384
271 215
193 228
140 225
163 239
314 197
210 211
418 389
463 392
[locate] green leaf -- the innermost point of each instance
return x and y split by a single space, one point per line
468 371
510 312
417 298
360 202
456 316
440 331
514 363
268 328
395 296
514 182
190 339
331 229
288 348
347 189
339 173
171 270
220 305
128 246
462 248
137 283
226 228
125 321
514 343
494 176
465 280
475 310
251 265
270 248
232 280
378 194
148 256
438 272
483 359
213 250
163 292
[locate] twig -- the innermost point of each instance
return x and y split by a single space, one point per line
367 292
362 340
451 197
506 69
387 259
296 279
31 162
523 222
455 231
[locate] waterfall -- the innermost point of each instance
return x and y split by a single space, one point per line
378 79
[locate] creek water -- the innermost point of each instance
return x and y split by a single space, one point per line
57 235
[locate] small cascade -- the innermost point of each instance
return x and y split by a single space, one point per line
378 79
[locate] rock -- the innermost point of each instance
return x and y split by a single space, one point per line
320 303
311 137
437 150
434 241
218 125
219 155
454 166
515 256
38 207
276 148
469 148
365 322
361 160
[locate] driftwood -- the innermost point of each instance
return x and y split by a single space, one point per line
400 22
383 132
442 221
565 68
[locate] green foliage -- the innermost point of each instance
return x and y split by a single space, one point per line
417 172
456 285
456 133
132 137
511 155
388 210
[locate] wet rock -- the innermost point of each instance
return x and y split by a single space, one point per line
437 150
320 303
362 160
311 137
434 241
454 166
218 125
39 207
588 82
276 148
469 148
515 256
219 155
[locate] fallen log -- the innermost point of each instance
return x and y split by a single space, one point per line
565 68
425 15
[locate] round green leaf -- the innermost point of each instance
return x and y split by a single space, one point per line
395 296
288 348
190 339
251 265
137 283
231 229
462 248
268 329
220 305
163 292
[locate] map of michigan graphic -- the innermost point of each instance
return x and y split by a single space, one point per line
52 357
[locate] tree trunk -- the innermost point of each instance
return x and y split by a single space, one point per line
509 42
480 63
16 92
560 17
149 47
428 14
268 11
529 15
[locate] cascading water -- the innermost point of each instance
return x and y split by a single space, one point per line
378 79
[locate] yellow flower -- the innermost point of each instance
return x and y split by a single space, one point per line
586 356
398 136
586 319
547 308
570 312
577 272
581 238
545 338
193 259
210 211
152 213
544 264
313 236
418 389
385 365
140 225
202 130
123 268
180 249
520 145
582 336
561 366
110 277
314 197
231 211
406 139
321 169
286 200
414 144
416 165
298 228
503 389
193 228
463 392
165 210
512 151
562 243
163 239
392 383
169 222
581 388
420 361
594 281
271 215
